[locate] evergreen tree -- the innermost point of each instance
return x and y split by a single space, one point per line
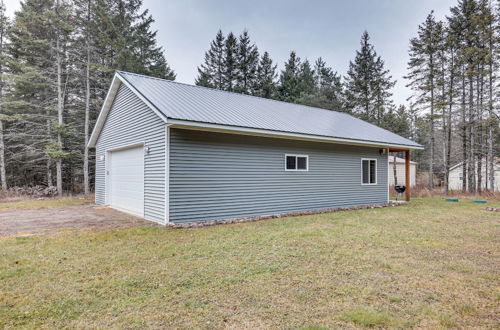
306 78
150 57
4 25
64 54
32 94
368 83
424 75
397 121
230 73
266 77
211 72
290 84
328 86
248 62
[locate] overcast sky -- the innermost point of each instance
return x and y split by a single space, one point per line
313 28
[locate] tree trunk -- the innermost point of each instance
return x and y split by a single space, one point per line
59 112
431 148
2 159
464 136
443 100
470 166
3 177
49 160
491 121
87 109
448 131
480 136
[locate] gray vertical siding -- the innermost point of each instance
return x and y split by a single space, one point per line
131 121
220 176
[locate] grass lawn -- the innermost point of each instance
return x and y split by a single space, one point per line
426 264
33 203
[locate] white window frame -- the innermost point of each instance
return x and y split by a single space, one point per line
376 172
296 162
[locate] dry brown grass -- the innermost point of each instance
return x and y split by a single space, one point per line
20 203
421 191
427 264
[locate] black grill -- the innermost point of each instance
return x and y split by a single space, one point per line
400 189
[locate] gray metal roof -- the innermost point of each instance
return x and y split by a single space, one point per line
200 104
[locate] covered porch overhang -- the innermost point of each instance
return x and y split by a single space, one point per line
407 169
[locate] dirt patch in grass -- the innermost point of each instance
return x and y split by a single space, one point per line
428 264
45 220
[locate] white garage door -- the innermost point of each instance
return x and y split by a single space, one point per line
126 180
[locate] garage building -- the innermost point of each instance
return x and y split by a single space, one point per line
172 152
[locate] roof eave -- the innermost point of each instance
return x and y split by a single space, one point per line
106 106
202 126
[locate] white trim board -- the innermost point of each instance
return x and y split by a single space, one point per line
167 174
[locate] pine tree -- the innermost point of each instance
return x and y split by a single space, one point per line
84 9
105 26
469 26
290 85
63 57
424 73
248 62
32 94
329 87
230 72
4 25
266 77
493 44
449 47
150 56
397 121
306 78
211 72
381 89
368 84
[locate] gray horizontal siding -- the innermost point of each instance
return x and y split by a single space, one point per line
130 121
220 176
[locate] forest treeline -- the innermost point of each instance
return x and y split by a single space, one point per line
57 59
452 71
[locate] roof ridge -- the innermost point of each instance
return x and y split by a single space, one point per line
233 93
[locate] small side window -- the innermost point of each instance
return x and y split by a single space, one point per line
301 163
297 163
291 162
368 171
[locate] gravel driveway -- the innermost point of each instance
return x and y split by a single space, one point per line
83 216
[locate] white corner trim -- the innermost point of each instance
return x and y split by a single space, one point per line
108 103
167 174
369 176
388 169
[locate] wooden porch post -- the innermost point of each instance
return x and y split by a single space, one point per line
407 175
